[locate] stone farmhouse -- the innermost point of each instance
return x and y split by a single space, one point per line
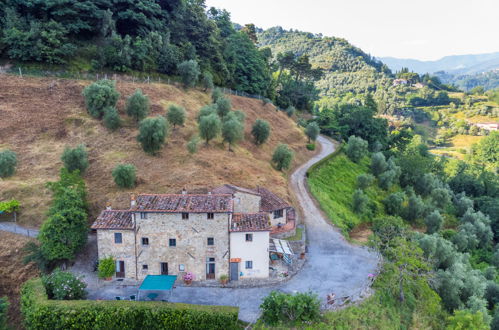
224 231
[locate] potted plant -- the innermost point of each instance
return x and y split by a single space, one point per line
224 279
188 277
106 268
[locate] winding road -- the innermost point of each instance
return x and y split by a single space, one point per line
333 265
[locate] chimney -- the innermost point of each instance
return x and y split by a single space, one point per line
132 201
184 191
108 206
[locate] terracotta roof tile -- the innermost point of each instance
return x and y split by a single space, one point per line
270 201
250 222
214 203
231 189
114 219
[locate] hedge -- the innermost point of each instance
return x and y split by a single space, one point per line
41 313
324 160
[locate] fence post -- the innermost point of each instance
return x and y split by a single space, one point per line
20 72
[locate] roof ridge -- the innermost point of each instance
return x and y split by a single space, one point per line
213 194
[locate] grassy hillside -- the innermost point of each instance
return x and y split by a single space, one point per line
41 116
333 185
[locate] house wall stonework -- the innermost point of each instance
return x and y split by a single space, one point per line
256 251
124 251
246 203
191 248
276 221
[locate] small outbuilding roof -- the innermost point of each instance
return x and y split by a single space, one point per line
250 222
231 189
175 203
270 201
114 219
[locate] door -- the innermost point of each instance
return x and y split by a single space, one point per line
210 268
234 271
120 269
164 268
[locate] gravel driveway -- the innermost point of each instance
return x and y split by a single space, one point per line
333 265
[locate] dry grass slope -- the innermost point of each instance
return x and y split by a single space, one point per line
40 116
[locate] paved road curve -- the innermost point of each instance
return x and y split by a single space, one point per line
333 265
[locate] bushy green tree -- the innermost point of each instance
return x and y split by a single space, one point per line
360 201
124 175
216 94
281 307
364 180
189 72
112 119
176 115
260 131
137 105
282 157
232 130
439 250
107 267
433 222
465 319
441 197
415 207
100 95
312 131
394 203
388 228
387 179
207 81
378 163
64 286
356 148
192 145
8 163
152 134
209 127
290 111
223 106
462 204
75 159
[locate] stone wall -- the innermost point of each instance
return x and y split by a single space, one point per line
276 221
246 203
124 251
191 248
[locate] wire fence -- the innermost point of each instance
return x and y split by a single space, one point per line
142 78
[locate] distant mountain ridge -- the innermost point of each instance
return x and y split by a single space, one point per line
454 64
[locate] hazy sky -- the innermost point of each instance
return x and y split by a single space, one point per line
421 29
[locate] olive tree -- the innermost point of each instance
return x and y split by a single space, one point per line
312 131
433 222
112 119
282 157
100 95
356 148
260 131
152 134
360 201
378 163
75 159
232 130
8 163
209 127
394 202
189 72
364 180
176 115
207 80
124 175
216 94
223 106
137 105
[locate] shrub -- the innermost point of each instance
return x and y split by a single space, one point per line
8 163
112 119
280 307
378 163
393 203
282 157
207 80
364 181
433 222
63 286
100 95
192 145
176 115
124 175
223 106
75 159
311 146
466 319
189 72
387 179
152 134
107 267
415 207
216 94
290 111
4 307
360 201
312 131
209 127
441 197
260 131
40 313
356 148
137 105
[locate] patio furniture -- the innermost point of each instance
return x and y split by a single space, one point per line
133 298
118 298
152 296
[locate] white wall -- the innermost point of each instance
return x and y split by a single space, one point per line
256 251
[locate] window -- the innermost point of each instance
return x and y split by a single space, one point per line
172 242
210 216
118 238
181 268
145 241
278 214
249 237
143 215
211 241
249 264
145 267
185 216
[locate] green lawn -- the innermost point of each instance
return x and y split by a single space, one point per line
297 236
333 185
